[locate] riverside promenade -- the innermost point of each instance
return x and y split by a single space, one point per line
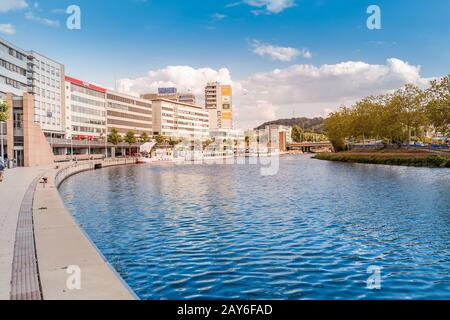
44 253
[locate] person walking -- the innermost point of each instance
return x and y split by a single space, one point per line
2 168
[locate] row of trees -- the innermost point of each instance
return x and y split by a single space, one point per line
300 135
130 137
396 117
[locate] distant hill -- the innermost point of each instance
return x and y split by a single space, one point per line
310 125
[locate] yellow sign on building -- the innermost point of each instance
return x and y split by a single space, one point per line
226 115
226 91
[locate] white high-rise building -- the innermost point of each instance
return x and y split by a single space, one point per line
48 88
218 102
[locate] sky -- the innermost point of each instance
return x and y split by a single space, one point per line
283 58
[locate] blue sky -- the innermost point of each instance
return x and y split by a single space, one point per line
128 38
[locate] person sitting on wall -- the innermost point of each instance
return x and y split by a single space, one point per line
2 169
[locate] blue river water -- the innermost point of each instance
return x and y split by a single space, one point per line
312 231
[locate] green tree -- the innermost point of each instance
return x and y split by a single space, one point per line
408 103
297 133
130 138
338 127
3 112
144 137
207 143
160 139
3 118
438 104
114 137
173 142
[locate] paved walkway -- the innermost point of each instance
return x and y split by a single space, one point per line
12 191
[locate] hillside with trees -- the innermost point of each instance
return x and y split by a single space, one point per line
313 125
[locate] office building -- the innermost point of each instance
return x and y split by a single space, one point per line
181 120
219 104
85 110
30 72
127 113
14 72
47 85
171 94
275 137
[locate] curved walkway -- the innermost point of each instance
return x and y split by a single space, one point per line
70 266
44 254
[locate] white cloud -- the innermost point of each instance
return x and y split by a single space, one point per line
7 28
218 16
284 54
10 5
185 78
303 89
45 21
270 6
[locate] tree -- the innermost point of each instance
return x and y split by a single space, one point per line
144 137
408 103
206 143
338 127
173 142
247 141
160 139
3 118
130 138
3 112
114 137
438 104
297 133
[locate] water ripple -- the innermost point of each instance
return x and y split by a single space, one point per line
310 232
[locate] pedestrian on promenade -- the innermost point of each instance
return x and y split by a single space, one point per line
2 168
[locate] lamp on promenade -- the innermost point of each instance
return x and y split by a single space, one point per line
3 118
2 152
71 147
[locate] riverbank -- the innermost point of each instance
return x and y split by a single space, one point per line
63 250
44 253
400 157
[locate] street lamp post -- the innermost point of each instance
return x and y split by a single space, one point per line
1 137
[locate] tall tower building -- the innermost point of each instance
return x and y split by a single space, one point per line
218 102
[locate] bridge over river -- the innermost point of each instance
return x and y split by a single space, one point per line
307 146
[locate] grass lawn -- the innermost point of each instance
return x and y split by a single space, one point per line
401 157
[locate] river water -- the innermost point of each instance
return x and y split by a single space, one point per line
314 230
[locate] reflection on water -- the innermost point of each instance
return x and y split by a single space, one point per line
309 232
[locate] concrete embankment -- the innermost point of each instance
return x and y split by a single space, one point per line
70 266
